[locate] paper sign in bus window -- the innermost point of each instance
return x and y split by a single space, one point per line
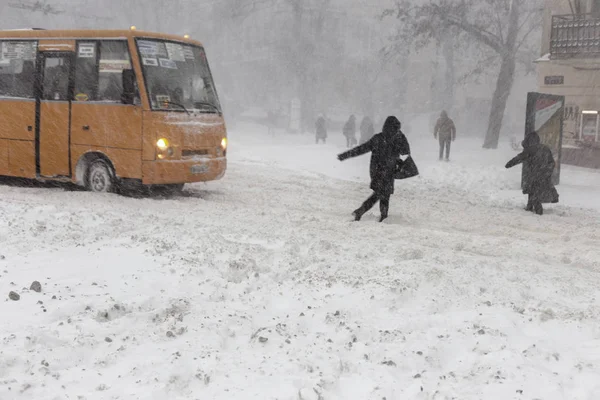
188 52
148 48
161 98
87 50
150 61
165 63
18 51
175 52
114 66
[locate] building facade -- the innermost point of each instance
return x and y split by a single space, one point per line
570 66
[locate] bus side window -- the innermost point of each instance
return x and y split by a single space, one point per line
98 75
56 79
86 72
114 59
17 74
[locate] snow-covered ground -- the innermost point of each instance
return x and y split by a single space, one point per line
260 287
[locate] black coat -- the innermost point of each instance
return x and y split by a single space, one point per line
321 128
385 147
538 166
349 129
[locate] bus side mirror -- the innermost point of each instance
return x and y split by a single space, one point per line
128 86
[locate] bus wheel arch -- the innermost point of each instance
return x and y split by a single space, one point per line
101 166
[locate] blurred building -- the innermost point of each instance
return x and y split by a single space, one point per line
570 66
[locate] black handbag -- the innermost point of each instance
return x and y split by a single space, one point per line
406 169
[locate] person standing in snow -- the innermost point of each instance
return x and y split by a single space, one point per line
321 129
366 130
385 147
538 166
446 132
349 131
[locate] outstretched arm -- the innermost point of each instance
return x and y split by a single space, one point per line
357 151
515 161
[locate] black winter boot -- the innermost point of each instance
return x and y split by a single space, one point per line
529 204
537 207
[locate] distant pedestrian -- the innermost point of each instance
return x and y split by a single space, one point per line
386 148
321 129
538 166
349 131
445 131
367 131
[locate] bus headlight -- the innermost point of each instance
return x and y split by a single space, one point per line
224 144
162 144
164 148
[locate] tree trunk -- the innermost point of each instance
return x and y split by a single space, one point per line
450 73
506 78
504 84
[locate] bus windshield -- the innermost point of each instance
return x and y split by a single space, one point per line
177 77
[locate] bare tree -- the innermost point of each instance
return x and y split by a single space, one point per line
502 27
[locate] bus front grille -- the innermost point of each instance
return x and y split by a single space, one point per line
194 153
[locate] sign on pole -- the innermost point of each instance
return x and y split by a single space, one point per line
545 113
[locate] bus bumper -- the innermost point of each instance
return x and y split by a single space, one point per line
183 171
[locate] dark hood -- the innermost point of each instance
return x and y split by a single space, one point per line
531 140
391 126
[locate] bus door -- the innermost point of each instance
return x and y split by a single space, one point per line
53 97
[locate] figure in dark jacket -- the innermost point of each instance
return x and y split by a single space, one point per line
321 129
446 132
538 166
366 130
349 131
385 147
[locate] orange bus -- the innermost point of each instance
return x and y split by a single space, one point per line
98 108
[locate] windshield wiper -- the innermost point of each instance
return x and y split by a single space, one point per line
177 105
202 103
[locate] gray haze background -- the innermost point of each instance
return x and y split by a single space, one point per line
329 55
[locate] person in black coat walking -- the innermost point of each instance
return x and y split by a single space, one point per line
349 131
445 130
385 147
538 166
321 129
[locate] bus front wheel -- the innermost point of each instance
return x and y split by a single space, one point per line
99 177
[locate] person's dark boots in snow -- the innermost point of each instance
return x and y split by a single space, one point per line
357 215
529 204
384 207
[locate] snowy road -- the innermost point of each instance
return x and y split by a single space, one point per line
260 287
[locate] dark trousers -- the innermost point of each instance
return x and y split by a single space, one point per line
384 205
445 143
533 204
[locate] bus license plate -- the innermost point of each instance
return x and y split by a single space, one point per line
199 169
